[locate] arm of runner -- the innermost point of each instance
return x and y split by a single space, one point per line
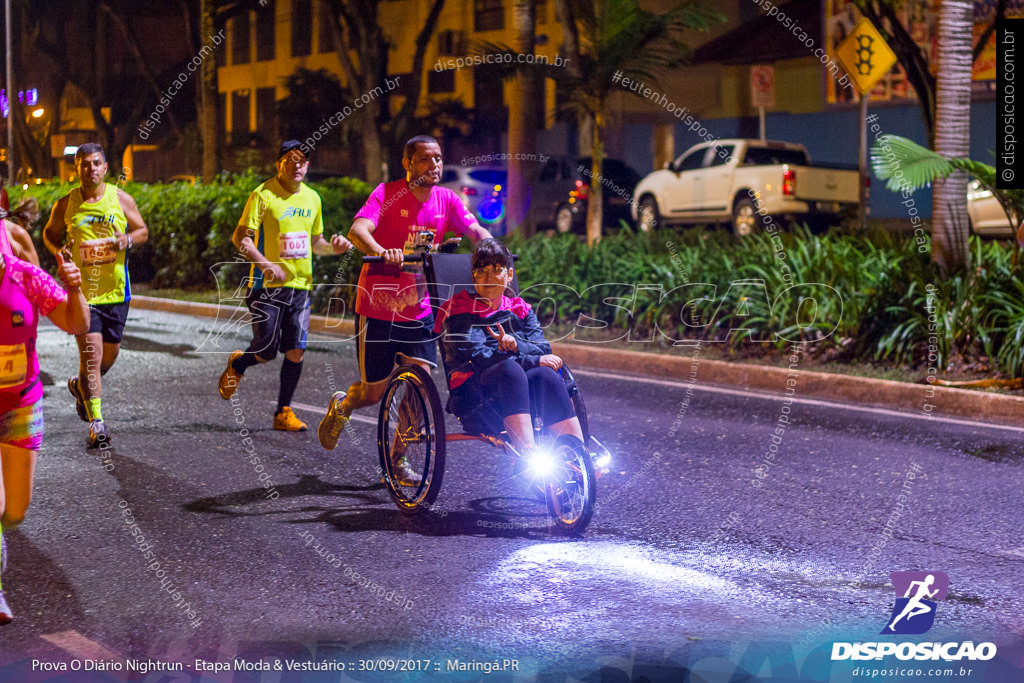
463 222
337 245
361 235
21 242
72 314
243 240
477 232
137 232
54 230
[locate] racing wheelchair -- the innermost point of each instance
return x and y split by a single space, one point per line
411 426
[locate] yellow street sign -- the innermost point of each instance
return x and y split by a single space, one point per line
865 55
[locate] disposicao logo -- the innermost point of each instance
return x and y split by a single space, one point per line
914 612
917 595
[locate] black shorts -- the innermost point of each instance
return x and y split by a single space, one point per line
280 320
381 344
109 320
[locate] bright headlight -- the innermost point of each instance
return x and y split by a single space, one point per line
541 462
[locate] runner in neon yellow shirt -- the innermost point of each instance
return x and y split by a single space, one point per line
96 224
281 228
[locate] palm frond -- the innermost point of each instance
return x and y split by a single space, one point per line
906 165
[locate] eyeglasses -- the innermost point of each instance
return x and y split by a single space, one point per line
492 270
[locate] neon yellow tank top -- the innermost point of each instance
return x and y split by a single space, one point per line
91 225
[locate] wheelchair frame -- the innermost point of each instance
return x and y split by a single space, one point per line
411 418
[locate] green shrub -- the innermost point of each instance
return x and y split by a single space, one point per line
890 301
875 296
190 226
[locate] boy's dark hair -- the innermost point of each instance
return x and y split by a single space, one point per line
410 146
87 149
490 252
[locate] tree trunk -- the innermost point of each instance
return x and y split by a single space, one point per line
373 153
208 97
952 134
595 206
522 133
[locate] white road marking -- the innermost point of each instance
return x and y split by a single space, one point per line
753 393
80 647
320 411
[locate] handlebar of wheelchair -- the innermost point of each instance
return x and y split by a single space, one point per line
411 258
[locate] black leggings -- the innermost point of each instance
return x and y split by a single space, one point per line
509 389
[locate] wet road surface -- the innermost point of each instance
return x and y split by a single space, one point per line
712 539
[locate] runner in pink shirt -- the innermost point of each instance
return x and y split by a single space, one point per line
393 314
26 293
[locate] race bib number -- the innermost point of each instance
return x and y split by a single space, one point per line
293 245
97 252
13 365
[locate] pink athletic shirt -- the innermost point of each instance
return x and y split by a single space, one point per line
393 293
26 293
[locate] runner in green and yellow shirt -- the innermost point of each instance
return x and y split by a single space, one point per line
96 224
281 228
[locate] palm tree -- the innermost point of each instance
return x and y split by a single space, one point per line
522 127
906 165
950 227
606 40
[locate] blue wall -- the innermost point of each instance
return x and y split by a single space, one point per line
830 137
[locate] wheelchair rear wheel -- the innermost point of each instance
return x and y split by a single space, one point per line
572 489
411 439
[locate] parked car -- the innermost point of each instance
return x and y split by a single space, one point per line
987 216
483 190
739 181
560 195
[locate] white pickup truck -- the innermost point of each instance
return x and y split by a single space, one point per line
739 181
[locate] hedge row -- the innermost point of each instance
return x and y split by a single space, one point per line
873 296
190 226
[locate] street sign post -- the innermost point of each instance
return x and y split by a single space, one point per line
762 91
866 57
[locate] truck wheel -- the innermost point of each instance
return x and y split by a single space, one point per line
648 217
745 219
563 219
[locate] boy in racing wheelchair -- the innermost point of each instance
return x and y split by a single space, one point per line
497 357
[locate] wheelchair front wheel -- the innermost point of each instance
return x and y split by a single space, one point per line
571 489
411 439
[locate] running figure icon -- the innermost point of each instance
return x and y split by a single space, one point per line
920 591
915 606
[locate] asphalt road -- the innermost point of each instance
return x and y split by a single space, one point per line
710 550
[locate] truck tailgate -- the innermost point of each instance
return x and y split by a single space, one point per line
827 184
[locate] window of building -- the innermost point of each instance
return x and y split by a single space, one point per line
324 19
488 15
302 27
449 43
240 39
266 113
489 100
240 117
441 81
222 107
265 37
